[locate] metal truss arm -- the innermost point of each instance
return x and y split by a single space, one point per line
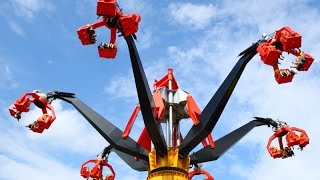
225 143
212 112
145 99
106 129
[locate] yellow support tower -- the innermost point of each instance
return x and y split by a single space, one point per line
168 167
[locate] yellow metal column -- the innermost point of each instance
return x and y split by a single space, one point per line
169 167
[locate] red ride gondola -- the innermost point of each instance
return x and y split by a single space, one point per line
107 8
292 139
114 20
97 170
284 40
303 61
40 100
288 38
269 54
283 75
199 171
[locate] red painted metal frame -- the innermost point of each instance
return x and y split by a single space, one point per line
284 40
270 52
107 8
114 20
288 38
97 170
292 139
23 105
283 75
200 172
159 110
132 118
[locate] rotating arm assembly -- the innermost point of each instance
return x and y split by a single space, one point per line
145 99
212 112
226 142
283 39
106 129
135 154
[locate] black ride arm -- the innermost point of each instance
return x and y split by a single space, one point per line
212 112
106 129
136 164
223 144
145 99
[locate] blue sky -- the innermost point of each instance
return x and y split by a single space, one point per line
199 40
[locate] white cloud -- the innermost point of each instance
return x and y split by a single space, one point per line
145 39
304 165
58 149
85 7
22 157
8 80
199 68
208 61
28 8
139 7
123 86
69 131
195 16
50 61
16 28
39 168
295 102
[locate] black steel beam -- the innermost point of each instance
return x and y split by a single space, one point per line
213 110
223 144
138 165
145 99
135 163
107 130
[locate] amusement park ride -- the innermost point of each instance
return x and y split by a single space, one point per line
167 155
